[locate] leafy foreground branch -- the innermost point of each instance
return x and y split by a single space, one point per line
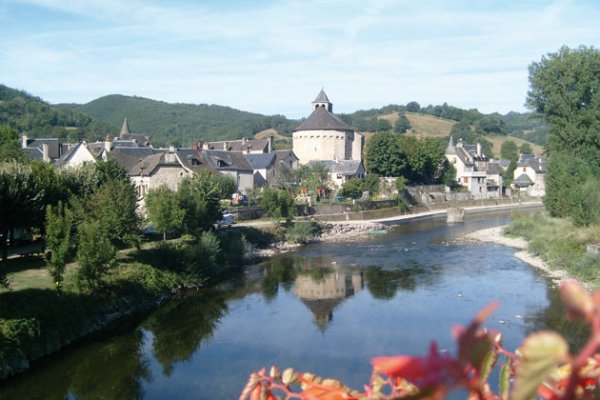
541 367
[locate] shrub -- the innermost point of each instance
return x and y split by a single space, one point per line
302 232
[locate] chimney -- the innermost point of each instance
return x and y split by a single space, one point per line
225 146
244 140
197 146
24 143
108 143
205 146
46 153
172 149
270 145
478 149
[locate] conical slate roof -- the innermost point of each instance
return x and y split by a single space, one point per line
321 119
321 97
124 129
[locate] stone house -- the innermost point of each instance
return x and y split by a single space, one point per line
474 171
529 175
341 171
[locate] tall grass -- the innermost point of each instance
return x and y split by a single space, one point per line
560 243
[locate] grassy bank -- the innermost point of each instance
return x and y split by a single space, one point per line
560 243
36 319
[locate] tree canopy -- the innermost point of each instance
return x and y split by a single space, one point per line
565 89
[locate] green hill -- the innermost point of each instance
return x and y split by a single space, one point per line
30 114
180 123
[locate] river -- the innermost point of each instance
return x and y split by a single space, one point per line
327 308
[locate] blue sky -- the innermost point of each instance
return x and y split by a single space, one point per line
273 57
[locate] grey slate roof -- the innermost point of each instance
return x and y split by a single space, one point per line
34 153
321 97
261 161
53 146
240 145
538 164
321 119
344 167
225 160
523 181
493 168
129 157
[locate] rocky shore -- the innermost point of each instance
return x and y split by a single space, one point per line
496 235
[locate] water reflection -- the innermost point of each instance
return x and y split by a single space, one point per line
118 368
179 328
380 296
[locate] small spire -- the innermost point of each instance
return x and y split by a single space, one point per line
322 101
124 129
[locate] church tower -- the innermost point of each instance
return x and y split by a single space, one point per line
322 101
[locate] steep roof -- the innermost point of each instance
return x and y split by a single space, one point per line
129 157
34 153
322 119
260 161
53 146
321 97
344 167
523 181
124 129
226 160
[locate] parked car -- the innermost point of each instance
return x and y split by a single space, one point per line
225 221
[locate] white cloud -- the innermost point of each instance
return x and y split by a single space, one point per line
274 57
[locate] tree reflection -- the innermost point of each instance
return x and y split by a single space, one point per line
180 327
384 283
113 369
280 270
553 318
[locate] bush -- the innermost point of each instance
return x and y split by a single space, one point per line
277 203
301 232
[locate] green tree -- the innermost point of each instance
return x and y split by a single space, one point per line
9 144
227 185
96 254
164 210
313 177
509 150
402 124
384 157
371 183
565 89
20 201
352 188
413 106
525 148
491 125
59 223
425 158
114 204
277 203
199 197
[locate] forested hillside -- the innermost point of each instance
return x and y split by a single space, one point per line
27 113
180 123
183 124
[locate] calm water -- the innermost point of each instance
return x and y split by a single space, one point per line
327 308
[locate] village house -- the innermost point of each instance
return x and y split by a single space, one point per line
529 175
474 171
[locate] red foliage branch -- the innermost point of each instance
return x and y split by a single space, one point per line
542 366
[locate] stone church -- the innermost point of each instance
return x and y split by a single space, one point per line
323 136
